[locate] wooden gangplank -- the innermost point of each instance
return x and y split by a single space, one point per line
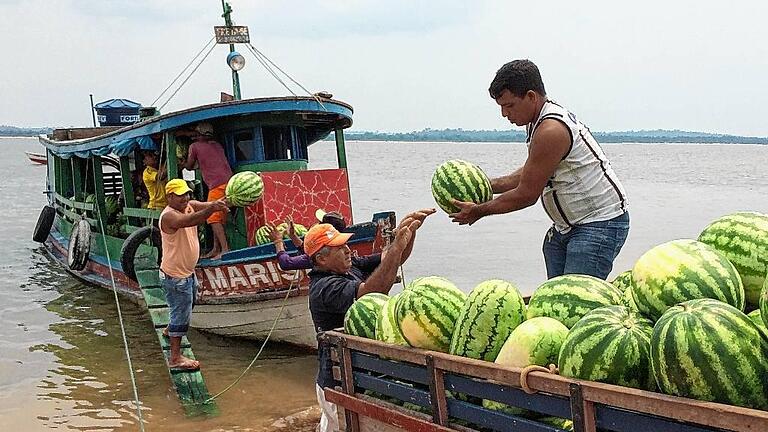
189 384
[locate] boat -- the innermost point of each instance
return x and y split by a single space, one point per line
95 225
37 158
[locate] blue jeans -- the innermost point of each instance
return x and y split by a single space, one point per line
586 249
180 295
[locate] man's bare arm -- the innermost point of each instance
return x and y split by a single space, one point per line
507 182
381 280
174 220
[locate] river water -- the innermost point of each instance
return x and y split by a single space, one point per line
62 364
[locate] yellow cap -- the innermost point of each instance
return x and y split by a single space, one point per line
177 187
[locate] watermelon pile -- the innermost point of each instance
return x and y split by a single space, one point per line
261 236
462 181
360 319
244 189
675 323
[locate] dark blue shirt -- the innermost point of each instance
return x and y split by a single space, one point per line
330 296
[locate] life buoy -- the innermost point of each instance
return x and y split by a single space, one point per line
131 246
44 224
79 245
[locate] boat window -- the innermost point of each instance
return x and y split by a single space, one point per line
277 142
244 148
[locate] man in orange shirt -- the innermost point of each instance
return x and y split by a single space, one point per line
207 154
181 250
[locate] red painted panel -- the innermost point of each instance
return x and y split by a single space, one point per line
299 194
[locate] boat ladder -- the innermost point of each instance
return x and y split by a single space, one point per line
189 385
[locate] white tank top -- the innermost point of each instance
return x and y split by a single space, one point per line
584 187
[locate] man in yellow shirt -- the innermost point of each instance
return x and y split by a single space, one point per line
154 180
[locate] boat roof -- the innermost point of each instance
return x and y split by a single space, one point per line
318 114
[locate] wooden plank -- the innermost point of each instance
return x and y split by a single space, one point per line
159 317
437 393
148 278
411 355
348 384
398 370
141 213
74 217
496 420
393 389
154 297
582 412
397 419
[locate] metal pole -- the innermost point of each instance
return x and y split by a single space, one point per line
93 111
235 77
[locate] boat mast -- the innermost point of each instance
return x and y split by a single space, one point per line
228 21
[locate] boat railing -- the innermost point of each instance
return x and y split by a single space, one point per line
73 211
146 215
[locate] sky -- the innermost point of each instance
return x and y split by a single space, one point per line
403 65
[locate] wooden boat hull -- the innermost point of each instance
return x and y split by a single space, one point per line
37 158
235 299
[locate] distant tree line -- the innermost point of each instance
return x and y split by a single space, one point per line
643 136
17 131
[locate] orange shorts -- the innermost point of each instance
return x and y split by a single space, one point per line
213 195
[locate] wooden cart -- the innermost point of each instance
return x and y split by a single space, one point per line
424 378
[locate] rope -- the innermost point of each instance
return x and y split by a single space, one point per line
264 344
534 368
188 77
269 69
183 70
120 319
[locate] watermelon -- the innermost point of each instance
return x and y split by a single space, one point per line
427 311
567 298
757 317
709 350
764 303
244 189
627 299
462 181
387 329
623 280
610 344
743 239
299 229
681 270
558 422
534 342
261 237
493 309
360 319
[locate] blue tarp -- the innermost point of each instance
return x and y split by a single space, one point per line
125 147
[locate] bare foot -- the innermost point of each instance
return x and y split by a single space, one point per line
184 363
165 332
211 254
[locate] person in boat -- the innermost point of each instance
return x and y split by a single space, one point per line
154 177
181 250
207 154
301 261
581 193
338 278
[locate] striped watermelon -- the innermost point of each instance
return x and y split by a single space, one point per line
757 317
709 350
427 311
387 329
681 270
567 298
460 180
743 239
360 319
623 281
534 342
299 229
610 344
261 236
627 299
244 189
764 303
492 310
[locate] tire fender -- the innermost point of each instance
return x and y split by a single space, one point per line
44 224
131 247
79 245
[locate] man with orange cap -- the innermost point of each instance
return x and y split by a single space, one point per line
338 278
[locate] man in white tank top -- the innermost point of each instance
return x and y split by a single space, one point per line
567 168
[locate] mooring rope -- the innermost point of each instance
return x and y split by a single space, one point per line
264 344
120 317
210 50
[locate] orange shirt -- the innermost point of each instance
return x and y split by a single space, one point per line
181 250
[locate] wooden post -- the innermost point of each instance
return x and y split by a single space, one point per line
169 141
125 174
437 392
341 152
99 207
348 384
582 411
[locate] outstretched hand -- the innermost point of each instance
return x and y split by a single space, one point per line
220 204
274 234
418 215
405 233
468 213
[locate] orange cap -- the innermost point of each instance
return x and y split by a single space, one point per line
323 235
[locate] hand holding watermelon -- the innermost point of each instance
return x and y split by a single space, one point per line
244 188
